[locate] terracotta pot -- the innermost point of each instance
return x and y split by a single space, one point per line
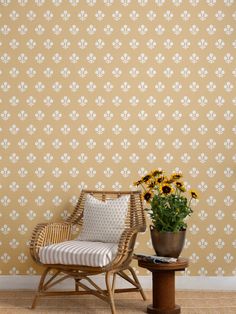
168 244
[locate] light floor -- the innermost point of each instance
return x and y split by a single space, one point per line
191 302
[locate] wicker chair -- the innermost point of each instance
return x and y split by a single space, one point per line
46 234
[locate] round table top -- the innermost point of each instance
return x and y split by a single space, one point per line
180 264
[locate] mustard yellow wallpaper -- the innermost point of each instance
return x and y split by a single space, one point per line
94 93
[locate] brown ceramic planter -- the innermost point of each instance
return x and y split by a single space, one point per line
168 244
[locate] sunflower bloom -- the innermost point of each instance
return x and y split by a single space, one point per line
169 181
160 179
180 186
137 183
194 194
156 172
166 189
146 178
176 176
147 196
151 185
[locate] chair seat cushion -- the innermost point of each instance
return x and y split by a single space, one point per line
96 254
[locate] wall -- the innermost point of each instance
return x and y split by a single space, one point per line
96 93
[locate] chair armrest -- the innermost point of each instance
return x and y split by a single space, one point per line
125 247
49 233
127 240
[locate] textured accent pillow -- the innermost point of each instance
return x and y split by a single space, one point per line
104 221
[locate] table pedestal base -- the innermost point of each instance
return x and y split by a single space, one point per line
152 310
163 285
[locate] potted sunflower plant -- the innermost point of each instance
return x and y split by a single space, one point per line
168 207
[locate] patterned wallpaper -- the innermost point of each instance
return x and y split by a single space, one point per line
94 93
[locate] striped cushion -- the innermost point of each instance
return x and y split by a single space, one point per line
96 254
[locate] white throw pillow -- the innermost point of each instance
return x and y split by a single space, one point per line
104 221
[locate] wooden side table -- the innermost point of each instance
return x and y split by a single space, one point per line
163 285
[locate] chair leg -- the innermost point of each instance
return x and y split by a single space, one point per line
113 283
40 287
34 301
110 293
138 283
76 284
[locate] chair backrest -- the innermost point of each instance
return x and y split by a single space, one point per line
135 216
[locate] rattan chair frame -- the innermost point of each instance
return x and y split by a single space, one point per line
49 233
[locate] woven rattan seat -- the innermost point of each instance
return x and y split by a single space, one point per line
47 234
